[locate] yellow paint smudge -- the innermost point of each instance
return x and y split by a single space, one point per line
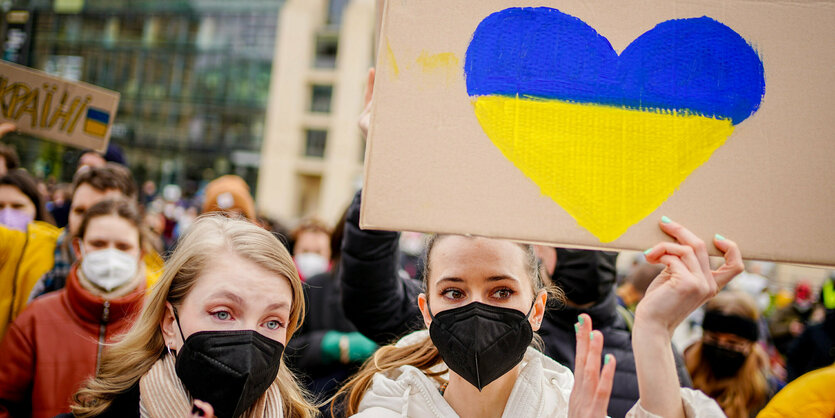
608 167
392 60
443 61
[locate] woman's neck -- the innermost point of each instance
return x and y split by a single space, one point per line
468 402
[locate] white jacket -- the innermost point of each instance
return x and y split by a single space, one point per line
541 390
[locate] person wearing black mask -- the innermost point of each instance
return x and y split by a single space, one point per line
483 301
727 363
214 328
382 305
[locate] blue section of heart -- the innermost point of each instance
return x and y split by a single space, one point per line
696 65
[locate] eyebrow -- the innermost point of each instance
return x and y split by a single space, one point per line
227 294
489 279
278 306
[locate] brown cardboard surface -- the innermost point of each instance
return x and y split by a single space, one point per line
76 114
430 166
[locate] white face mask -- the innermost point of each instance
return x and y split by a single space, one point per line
109 269
311 264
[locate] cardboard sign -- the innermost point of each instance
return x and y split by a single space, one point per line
41 105
581 123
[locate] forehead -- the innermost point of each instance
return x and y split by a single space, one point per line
457 255
242 277
110 227
88 195
12 193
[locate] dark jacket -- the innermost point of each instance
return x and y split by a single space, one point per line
813 349
383 307
124 405
304 351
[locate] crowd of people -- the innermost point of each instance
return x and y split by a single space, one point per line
121 301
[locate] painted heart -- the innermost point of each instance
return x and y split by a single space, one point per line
608 137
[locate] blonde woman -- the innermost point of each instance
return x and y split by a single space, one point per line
484 300
214 329
728 364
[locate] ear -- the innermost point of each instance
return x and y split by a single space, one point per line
76 247
170 333
538 312
423 304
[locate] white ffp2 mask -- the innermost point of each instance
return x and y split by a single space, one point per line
109 268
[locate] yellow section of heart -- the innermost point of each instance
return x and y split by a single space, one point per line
608 167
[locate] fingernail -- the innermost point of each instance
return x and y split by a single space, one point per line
665 220
719 237
647 251
591 335
607 359
576 328
580 319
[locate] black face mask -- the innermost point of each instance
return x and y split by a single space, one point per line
585 275
723 362
481 342
228 369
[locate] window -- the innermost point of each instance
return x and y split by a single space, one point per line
320 98
326 48
315 143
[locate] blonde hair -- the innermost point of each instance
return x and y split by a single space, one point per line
746 392
124 363
424 355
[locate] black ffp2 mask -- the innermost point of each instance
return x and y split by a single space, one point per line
481 342
228 369
723 362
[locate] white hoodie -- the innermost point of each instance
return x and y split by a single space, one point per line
541 390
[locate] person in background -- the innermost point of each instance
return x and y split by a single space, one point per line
90 186
26 243
229 195
8 156
113 154
327 349
59 206
311 243
213 329
635 285
788 323
20 202
727 363
815 347
809 396
55 344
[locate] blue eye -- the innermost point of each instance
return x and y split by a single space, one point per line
222 315
273 325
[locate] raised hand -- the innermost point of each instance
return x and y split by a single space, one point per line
683 286
687 282
365 116
592 388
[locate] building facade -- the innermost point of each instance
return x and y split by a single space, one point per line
311 158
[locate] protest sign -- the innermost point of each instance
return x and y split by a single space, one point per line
54 109
582 123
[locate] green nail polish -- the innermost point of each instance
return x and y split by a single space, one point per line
580 320
607 359
665 220
591 336
576 328
647 251
719 237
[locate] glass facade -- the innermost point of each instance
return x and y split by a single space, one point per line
194 79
